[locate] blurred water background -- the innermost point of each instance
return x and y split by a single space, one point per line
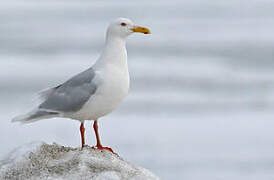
202 85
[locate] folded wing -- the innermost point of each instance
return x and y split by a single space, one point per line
71 95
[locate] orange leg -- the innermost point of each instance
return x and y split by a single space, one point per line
99 145
82 131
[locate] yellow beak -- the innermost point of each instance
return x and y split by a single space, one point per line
141 29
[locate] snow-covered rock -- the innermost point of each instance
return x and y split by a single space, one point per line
54 162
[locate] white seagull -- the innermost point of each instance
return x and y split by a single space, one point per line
94 92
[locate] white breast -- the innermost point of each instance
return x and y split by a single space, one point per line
113 85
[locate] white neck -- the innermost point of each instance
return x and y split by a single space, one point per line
114 52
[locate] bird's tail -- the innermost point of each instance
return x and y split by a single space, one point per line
35 115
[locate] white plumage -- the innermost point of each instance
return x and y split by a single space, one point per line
98 90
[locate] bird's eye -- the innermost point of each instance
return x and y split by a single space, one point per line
123 24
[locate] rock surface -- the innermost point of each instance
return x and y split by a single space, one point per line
53 162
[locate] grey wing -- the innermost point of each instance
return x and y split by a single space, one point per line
45 93
71 95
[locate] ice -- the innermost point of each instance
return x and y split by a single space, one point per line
39 160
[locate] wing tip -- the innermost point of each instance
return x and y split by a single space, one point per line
35 115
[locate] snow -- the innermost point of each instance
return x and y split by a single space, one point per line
41 161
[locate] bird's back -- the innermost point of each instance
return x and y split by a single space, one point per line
67 98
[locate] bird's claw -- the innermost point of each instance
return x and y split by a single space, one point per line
103 148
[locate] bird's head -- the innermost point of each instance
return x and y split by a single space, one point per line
123 27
